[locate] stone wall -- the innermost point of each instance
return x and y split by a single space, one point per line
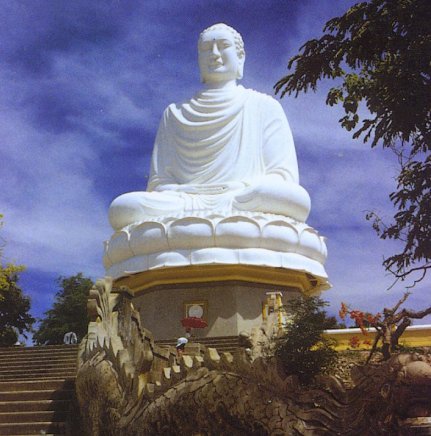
231 307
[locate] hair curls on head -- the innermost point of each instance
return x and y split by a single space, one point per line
239 43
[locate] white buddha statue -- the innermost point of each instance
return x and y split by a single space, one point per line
223 186
228 149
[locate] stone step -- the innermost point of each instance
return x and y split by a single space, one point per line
8 363
37 370
37 352
53 375
209 338
41 378
36 389
36 366
42 359
25 405
215 343
41 416
37 395
201 341
39 349
54 383
222 343
192 349
33 428
40 355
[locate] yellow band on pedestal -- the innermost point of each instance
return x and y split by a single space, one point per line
140 282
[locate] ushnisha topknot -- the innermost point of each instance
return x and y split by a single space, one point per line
239 43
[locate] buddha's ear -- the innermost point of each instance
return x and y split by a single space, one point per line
240 71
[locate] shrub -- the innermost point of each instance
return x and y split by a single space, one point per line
302 349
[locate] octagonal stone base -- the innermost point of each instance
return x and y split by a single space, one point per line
232 296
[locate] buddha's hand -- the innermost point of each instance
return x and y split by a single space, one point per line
272 196
204 188
248 199
213 189
256 195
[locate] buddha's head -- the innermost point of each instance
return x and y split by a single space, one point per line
221 54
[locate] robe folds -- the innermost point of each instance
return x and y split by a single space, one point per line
220 136
223 151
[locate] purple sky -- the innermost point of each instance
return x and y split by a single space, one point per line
82 88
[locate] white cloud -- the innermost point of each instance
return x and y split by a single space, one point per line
55 219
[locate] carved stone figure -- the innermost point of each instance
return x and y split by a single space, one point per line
224 179
127 385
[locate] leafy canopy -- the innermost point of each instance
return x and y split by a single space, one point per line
302 349
379 53
69 312
14 305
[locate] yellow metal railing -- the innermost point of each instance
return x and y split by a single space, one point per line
354 339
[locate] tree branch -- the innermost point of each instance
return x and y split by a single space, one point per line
374 347
416 315
397 306
399 331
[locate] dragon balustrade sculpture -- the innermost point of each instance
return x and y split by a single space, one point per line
127 385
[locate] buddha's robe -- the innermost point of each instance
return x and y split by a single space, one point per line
223 151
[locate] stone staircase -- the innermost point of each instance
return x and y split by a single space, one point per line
222 343
36 389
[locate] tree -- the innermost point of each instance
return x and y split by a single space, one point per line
14 305
380 52
302 349
389 326
331 322
69 312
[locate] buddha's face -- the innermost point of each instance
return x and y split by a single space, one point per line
218 57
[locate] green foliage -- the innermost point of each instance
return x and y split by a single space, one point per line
302 349
8 337
331 322
380 53
14 305
69 312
